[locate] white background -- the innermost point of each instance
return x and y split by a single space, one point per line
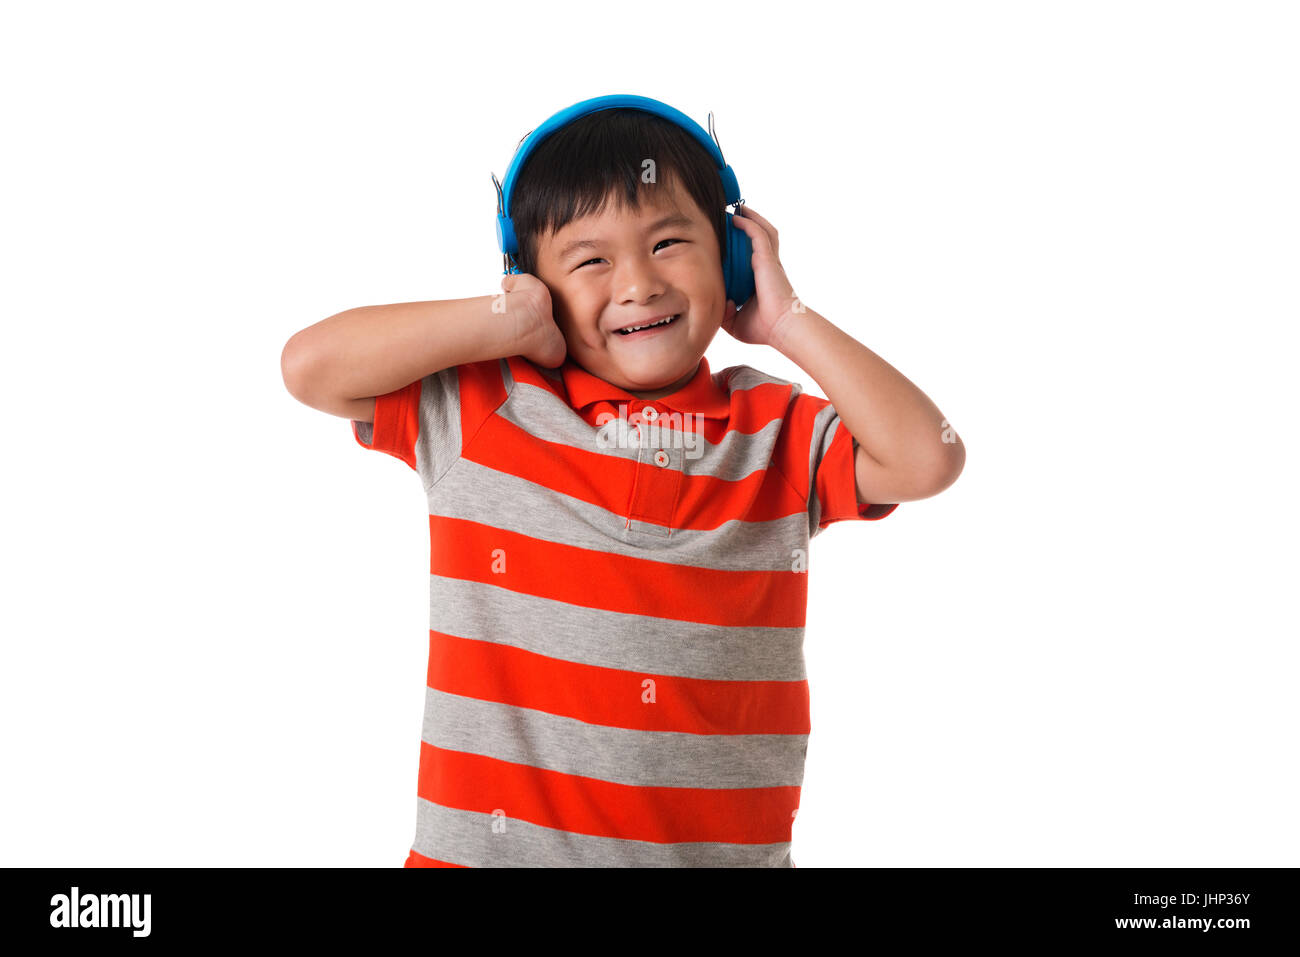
1073 225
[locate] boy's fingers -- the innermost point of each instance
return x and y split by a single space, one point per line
758 218
768 229
756 233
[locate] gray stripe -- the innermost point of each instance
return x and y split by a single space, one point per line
474 492
825 423
621 755
738 455
438 444
747 377
814 515
468 838
507 376
609 639
823 434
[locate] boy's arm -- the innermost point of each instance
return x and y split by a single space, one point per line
906 448
341 363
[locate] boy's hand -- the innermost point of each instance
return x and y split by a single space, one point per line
760 320
537 337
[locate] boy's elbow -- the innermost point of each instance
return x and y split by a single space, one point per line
296 367
947 471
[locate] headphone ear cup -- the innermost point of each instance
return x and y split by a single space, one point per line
738 265
506 235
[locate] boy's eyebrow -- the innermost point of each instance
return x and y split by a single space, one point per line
672 219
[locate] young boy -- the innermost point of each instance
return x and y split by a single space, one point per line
618 535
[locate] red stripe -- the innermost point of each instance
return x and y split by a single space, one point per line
613 698
608 481
472 551
837 488
595 476
583 805
791 455
395 423
419 860
482 390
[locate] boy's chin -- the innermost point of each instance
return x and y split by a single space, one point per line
652 373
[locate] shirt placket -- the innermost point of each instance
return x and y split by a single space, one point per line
657 481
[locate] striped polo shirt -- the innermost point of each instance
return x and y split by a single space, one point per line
617 592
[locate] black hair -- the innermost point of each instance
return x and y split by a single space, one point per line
577 169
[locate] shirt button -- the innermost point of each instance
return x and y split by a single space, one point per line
661 458
650 412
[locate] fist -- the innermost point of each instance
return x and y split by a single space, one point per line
537 337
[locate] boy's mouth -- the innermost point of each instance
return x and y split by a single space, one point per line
643 330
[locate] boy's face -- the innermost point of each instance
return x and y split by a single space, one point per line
629 269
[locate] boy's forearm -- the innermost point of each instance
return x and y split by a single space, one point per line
373 350
890 417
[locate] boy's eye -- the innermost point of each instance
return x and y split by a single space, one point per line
657 245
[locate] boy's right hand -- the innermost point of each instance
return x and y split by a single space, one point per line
537 336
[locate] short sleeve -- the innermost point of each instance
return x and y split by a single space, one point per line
419 424
832 472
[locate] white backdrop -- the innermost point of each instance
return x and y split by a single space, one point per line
1073 225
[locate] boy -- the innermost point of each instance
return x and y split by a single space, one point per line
618 536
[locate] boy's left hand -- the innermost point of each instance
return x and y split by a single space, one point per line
761 317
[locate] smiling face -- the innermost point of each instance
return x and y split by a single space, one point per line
621 267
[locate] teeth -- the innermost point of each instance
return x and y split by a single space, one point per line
651 325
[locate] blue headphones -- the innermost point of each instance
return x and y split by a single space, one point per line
737 268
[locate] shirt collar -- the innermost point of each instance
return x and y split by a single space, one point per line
700 395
